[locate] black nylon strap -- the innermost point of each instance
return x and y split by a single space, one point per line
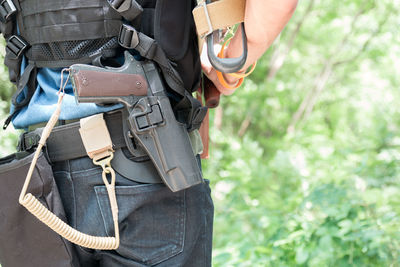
6 28
27 79
73 32
129 9
190 111
148 48
33 7
47 21
65 142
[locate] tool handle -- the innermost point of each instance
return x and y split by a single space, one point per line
211 93
227 65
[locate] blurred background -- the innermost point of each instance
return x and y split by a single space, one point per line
304 160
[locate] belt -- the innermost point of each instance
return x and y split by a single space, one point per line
65 143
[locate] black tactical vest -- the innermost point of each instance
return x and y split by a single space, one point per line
59 33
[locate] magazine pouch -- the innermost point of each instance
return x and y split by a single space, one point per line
24 240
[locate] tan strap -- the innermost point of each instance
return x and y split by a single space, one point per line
34 206
95 136
218 15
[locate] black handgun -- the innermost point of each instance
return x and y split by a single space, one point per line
149 115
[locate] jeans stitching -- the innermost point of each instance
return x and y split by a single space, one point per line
98 191
181 229
73 192
86 172
166 252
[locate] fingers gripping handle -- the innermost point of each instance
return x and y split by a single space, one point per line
227 65
34 206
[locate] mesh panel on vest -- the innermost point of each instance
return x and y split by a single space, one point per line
70 50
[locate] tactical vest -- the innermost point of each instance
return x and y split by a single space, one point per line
59 33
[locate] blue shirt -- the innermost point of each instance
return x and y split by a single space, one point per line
44 100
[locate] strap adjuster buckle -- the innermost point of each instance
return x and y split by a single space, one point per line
128 37
16 46
129 9
119 5
7 9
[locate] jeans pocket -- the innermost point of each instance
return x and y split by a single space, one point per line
151 221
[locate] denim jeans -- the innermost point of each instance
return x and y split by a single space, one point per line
157 227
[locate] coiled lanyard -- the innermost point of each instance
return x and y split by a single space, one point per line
33 205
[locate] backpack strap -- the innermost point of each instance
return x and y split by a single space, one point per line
148 48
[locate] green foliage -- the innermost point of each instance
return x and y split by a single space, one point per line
9 137
304 167
323 192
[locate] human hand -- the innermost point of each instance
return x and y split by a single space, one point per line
211 73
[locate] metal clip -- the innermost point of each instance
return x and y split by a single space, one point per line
210 27
105 163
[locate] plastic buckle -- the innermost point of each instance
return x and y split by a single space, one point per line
151 118
27 142
120 5
16 46
129 9
21 143
7 9
128 37
210 28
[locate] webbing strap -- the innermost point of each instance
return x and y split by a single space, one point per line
218 15
22 83
129 9
190 111
6 28
48 21
95 137
148 48
27 81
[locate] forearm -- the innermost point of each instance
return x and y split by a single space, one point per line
264 20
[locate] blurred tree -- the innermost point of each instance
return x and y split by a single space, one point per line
8 138
303 160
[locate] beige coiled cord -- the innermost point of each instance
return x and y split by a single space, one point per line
33 205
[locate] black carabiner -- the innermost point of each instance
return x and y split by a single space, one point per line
226 65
